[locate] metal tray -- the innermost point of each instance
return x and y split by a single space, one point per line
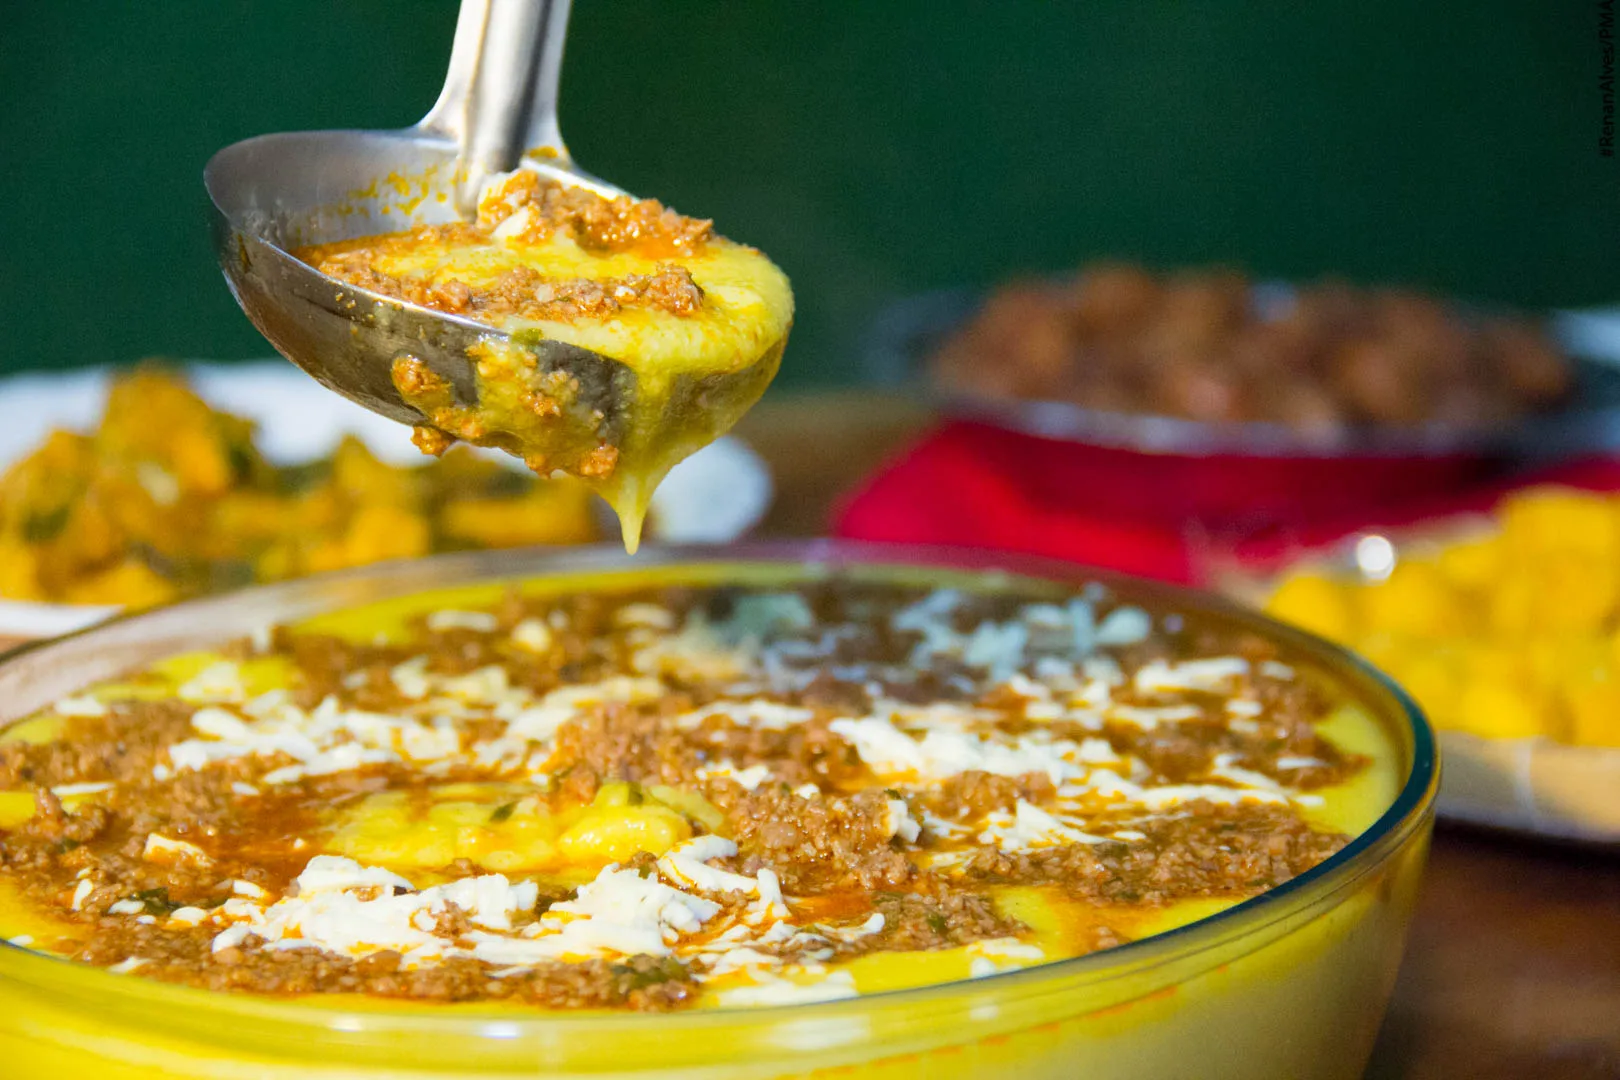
903 337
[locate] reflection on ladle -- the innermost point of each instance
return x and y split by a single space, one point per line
616 392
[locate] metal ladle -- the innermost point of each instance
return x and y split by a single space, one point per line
497 111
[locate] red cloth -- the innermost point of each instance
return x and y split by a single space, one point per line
949 490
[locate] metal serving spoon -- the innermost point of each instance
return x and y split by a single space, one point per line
498 109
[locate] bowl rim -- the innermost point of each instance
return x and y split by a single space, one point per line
1367 853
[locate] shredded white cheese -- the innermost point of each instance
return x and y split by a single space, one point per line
447 619
1031 827
166 851
83 706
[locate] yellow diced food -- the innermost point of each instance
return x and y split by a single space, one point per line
1474 563
1509 633
1594 712
1316 603
1575 593
1415 599
1567 660
37 492
201 461
1502 708
1434 681
131 584
168 482
554 513
249 515
19 571
1487 660
386 532
1512 606
359 473
1611 650
377 533
1553 520
89 536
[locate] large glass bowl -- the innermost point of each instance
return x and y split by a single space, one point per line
1290 984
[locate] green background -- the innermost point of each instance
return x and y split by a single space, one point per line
874 149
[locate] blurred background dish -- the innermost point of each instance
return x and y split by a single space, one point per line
1266 392
131 488
1210 362
1329 364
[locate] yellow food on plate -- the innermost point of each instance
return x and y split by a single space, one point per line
692 327
170 497
1509 631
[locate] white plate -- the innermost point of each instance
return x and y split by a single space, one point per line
713 497
1534 786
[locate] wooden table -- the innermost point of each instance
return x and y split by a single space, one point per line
1513 965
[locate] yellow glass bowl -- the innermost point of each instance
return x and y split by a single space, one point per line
1290 984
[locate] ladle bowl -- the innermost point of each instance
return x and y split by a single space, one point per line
497 111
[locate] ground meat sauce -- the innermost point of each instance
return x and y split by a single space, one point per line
529 210
1213 346
525 293
1210 852
661 797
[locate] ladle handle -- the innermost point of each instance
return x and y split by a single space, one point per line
500 94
